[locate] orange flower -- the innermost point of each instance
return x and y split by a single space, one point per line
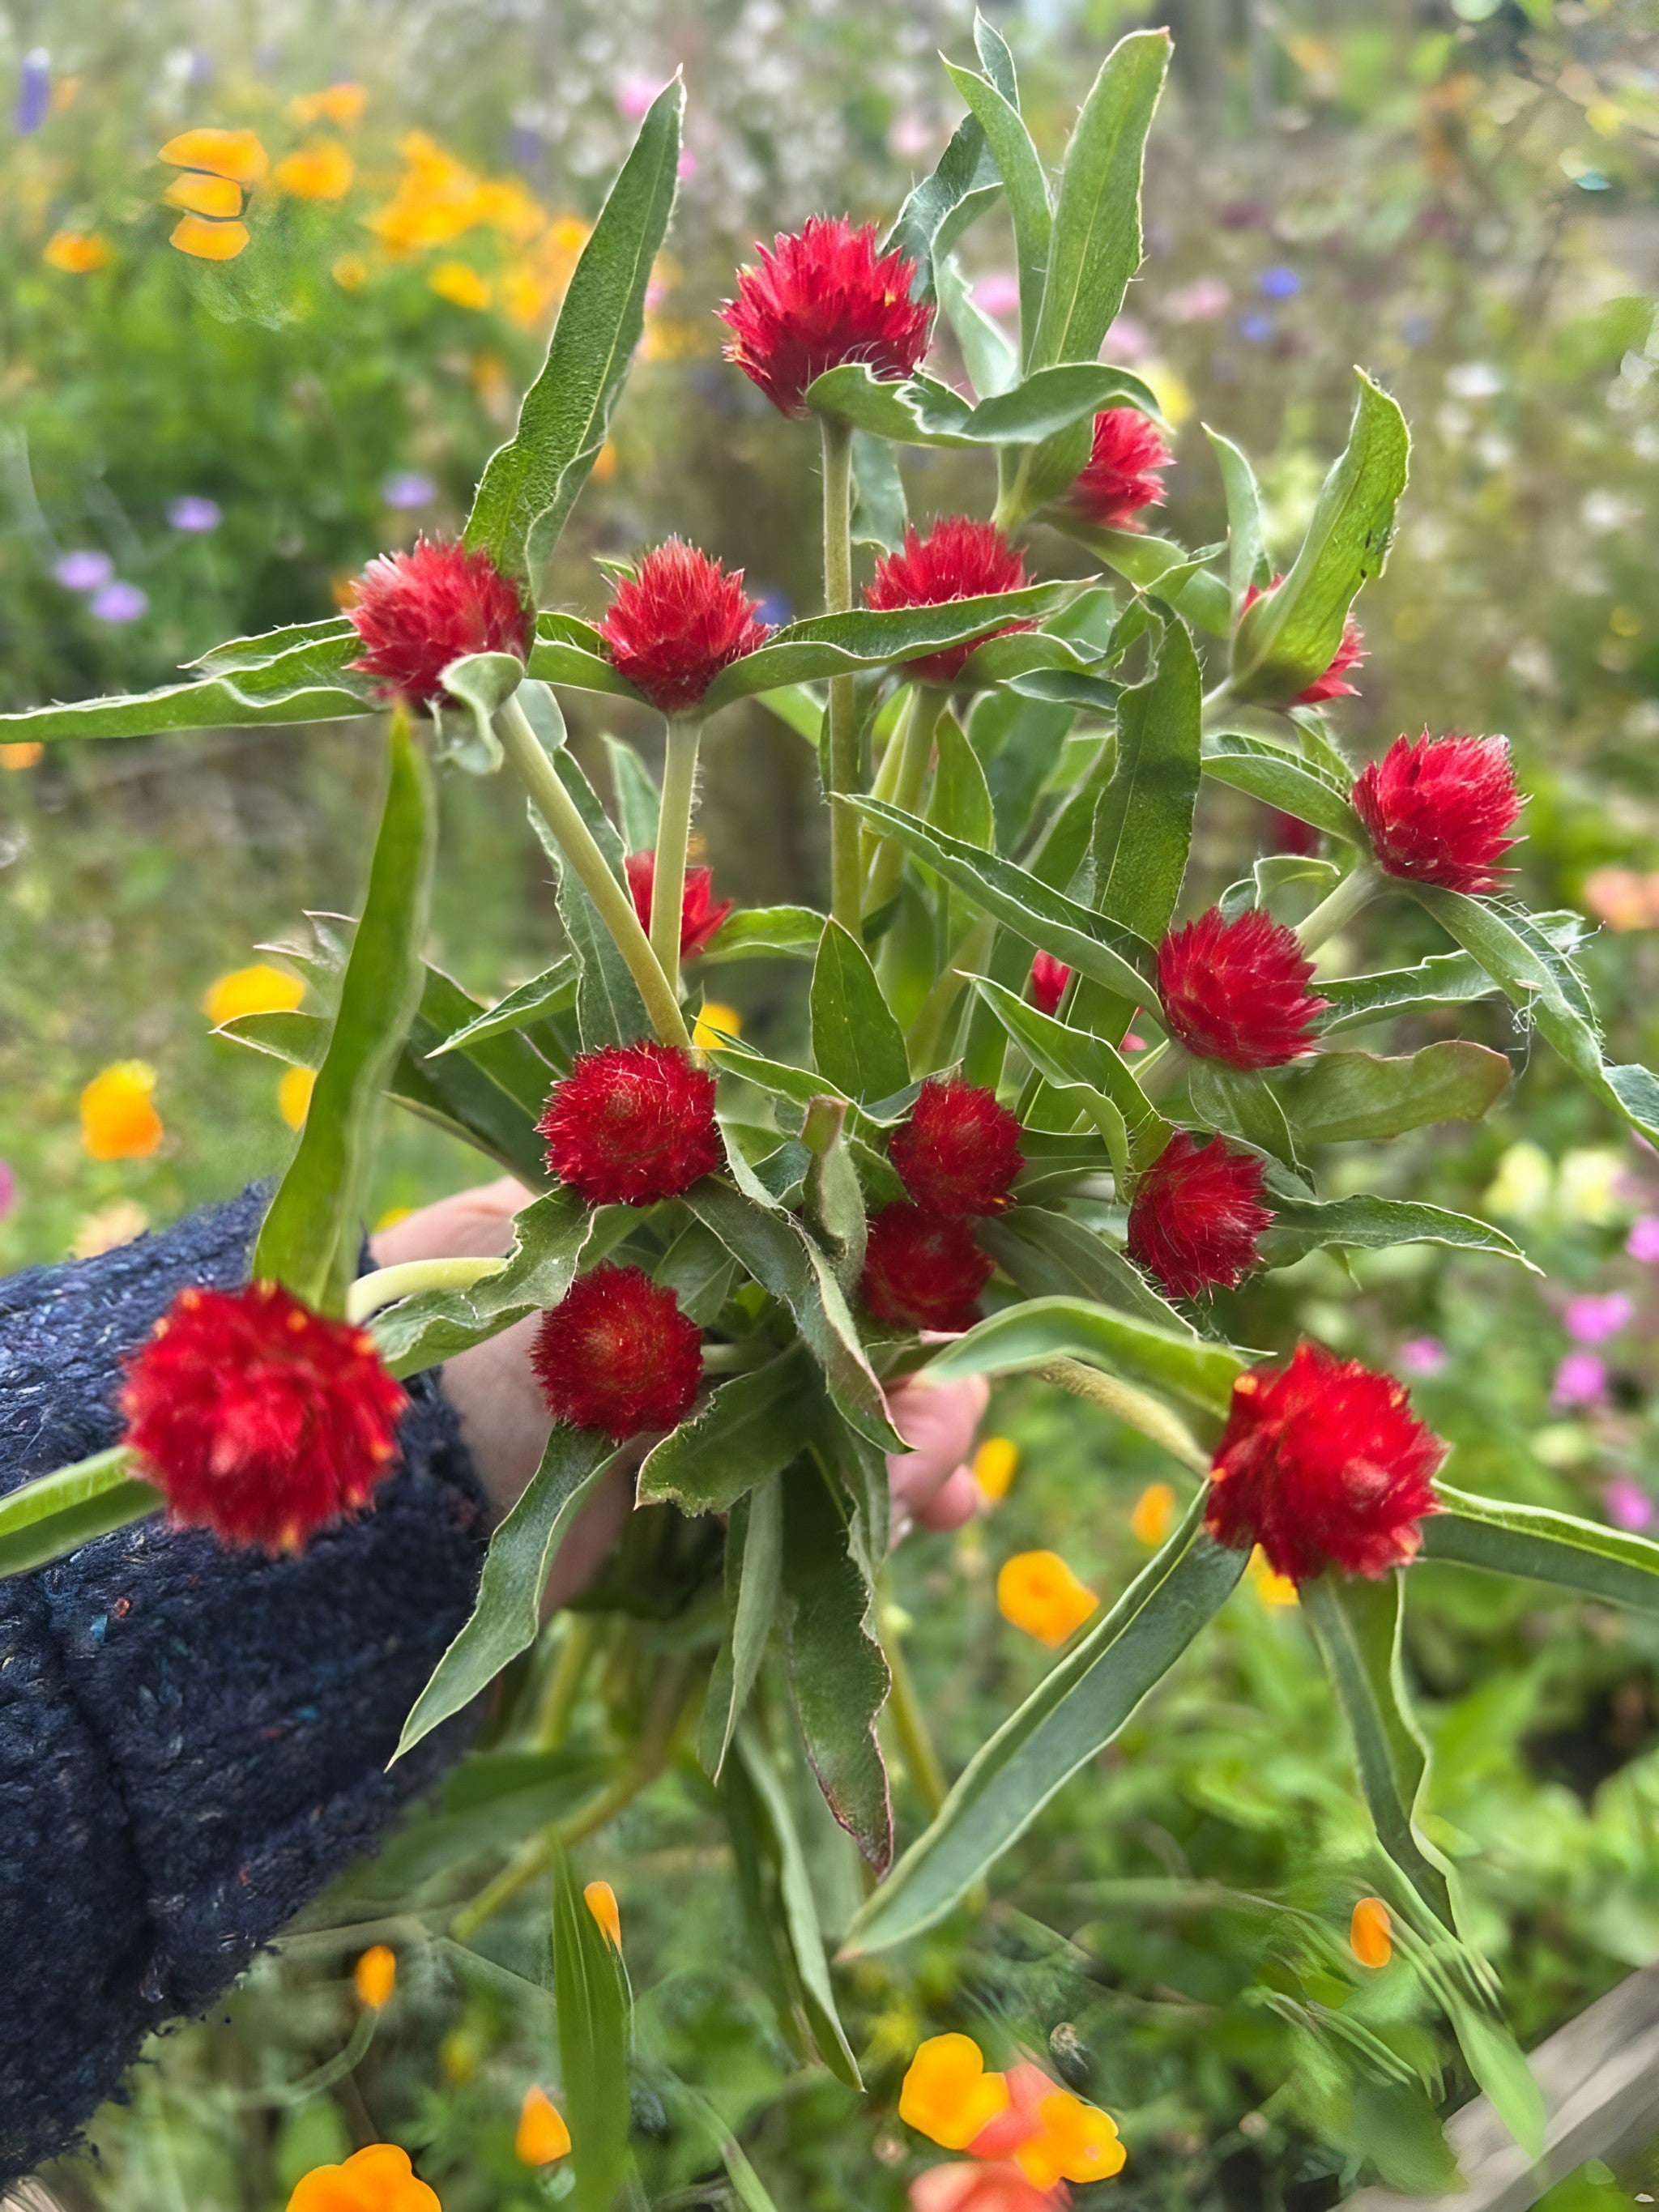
375 1975
294 1095
237 154
995 1465
219 197
76 252
26 754
1154 1514
260 989
320 172
1038 1592
378 2179
1370 1932
118 1119
543 2136
947 2094
1052 2136
461 284
209 241
601 1901
337 103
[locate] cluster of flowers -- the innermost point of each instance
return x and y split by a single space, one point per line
1025 2136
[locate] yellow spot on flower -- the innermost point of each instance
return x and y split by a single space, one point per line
713 1020
118 1119
1037 1591
110 1226
76 252
1271 1589
601 1901
1075 2142
322 171
218 197
237 154
350 271
375 1975
337 103
543 2136
995 1465
1370 1932
1154 1514
209 241
293 1095
947 2094
378 2179
461 284
260 989
22 756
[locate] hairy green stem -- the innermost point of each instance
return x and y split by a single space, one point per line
564 1687
926 1032
370 1293
1337 909
846 883
914 745
679 777
576 842
910 1720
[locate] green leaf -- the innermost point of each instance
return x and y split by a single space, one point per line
55 1514
1041 404
1068 1056
476 684
309 1239
1372 1224
992 362
1049 1255
962 185
759 933
1074 1714
960 802
1241 1103
320 648
751 1427
552 992
506 1611
754 1570
856 1043
1283 779
531 484
1609 1565
1144 825
592 1996
835 1197
1448 978
1019 741
1044 1329
879 510
218 702
550 1236
1247 561
1023 180
564 660
1154 564
639 803
1353 1097
1290 636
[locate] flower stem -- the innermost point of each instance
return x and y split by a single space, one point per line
927 1031
372 1291
679 777
915 746
569 1672
1336 910
1139 1408
845 878
910 1720
576 842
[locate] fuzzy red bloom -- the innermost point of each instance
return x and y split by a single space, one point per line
1349 654
923 1273
675 622
258 1419
700 912
824 295
1049 977
1122 475
1238 991
1323 1462
959 1151
1197 1214
417 611
618 1354
631 1123
959 559
1437 810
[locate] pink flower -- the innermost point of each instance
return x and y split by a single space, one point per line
1422 1355
1628 1507
1643 1240
1580 1380
972 2185
998 294
1592 1320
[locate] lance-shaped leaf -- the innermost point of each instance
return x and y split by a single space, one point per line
751 1427
856 1042
309 1238
474 687
754 1570
760 932
549 1238
1051 1255
531 484
1145 823
1241 1103
1044 1329
997 112
1283 779
552 992
991 359
1355 1097
879 512
218 702
1069 1720
1610 1565
1290 636
924 412
1372 1224
321 648
1154 564
1247 561
591 1992
963 184
571 653
1068 1056
508 1610
57 1513
1446 979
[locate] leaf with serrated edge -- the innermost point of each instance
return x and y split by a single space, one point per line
1373 1223
751 1427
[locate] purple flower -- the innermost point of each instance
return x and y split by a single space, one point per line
1422 1355
773 609
8 1189
1644 1241
1280 284
194 513
33 92
1580 1380
1593 1321
84 571
1257 329
408 488
1417 329
119 602
1627 1506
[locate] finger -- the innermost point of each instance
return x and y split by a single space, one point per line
469 1221
938 1425
956 1500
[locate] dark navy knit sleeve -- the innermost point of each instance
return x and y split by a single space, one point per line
193 1740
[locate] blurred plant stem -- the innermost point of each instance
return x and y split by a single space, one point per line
927 1036
1339 907
845 882
386 1284
1139 1408
565 1685
903 772
679 778
909 1722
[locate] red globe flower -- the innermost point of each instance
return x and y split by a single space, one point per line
417 611
618 1354
1349 653
700 912
959 559
1437 810
1196 1215
923 1273
675 622
1238 991
631 1123
1049 977
824 295
959 1151
258 1419
1323 1462
1122 474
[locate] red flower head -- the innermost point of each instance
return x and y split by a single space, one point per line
1349 654
1049 977
1437 810
1197 1214
675 622
417 611
959 1151
1323 1461
822 296
700 912
258 1419
631 1123
1121 476
923 1273
618 1355
959 559
1238 991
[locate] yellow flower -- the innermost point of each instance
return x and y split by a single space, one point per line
525 296
110 1226
605 462
1037 1591
350 271
995 1465
543 2136
118 1119
460 283
715 1018
1271 1589
1370 1932
337 103
393 1216
1169 390
1521 1189
209 241
378 2179
1076 2142
260 989
220 196
1154 1514
322 171
293 1095
375 1975
507 207
1587 1185
237 154
26 755
601 1901
76 252
947 2094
